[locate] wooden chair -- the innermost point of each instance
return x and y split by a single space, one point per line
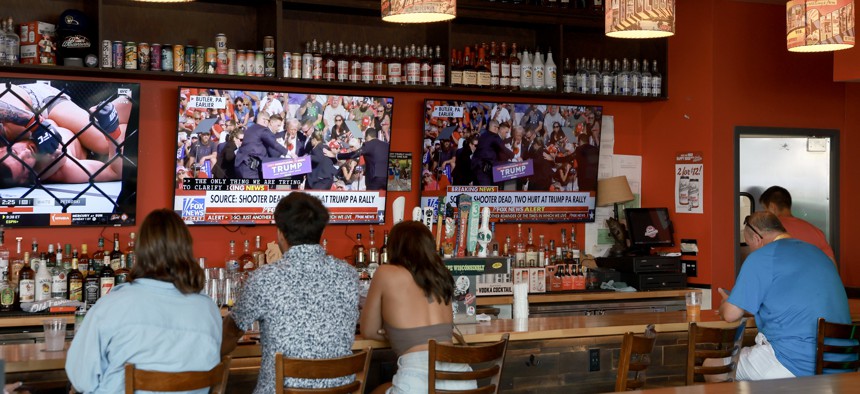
837 331
215 379
717 343
635 347
325 368
493 353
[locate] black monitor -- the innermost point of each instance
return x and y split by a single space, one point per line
648 228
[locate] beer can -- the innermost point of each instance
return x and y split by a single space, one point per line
200 60
130 55
307 66
143 52
167 57
268 42
211 60
220 42
296 65
269 56
259 63
231 62
118 52
190 59
155 57
222 63
250 64
285 62
240 63
179 58
107 54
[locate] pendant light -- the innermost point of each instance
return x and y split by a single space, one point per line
418 11
640 19
813 26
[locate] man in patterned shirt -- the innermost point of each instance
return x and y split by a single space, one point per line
306 302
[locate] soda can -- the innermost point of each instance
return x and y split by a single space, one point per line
118 52
190 59
143 52
259 64
269 42
240 63
296 66
231 62
130 55
269 56
200 60
220 42
222 63
155 57
167 57
179 58
250 64
211 60
107 54
286 64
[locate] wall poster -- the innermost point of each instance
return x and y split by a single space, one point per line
689 182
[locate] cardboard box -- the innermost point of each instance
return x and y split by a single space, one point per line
534 277
468 274
38 43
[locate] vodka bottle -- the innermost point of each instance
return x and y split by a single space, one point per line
635 79
616 72
568 77
551 80
624 83
582 77
13 43
646 80
538 71
656 81
526 71
607 86
4 46
594 82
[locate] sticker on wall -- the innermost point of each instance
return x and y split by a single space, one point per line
689 182
400 171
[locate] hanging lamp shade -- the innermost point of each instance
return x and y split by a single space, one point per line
640 19
818 26
418 11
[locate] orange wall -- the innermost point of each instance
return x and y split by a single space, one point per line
846 64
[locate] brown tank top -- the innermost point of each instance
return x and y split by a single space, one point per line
401 339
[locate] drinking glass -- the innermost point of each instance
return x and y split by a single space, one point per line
215 291
55 334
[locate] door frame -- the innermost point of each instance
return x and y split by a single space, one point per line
833 134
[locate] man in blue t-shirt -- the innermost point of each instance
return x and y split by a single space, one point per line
787 284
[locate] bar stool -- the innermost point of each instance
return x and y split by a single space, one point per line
325 368
636 347
846 332
717 343
215 379
492 353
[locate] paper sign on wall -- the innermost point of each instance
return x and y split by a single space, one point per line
689 182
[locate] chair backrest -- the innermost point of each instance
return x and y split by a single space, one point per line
477 355
635 357
325 368
215 379
713 343
847 332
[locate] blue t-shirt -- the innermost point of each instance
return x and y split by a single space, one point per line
788 284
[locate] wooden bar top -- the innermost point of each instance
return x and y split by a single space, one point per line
587 296
818 384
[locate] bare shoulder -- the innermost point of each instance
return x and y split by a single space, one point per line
388 272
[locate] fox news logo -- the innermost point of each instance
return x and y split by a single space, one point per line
193 206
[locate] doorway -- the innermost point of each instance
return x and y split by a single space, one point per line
804 161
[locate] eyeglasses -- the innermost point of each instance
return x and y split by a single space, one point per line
747 224
556 127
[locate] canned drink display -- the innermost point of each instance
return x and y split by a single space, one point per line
220 42
296 65
307 66
240 63
167 57
190 59
259 63
118 51
106 54
143 53
200 60
269 56
211 60
231 62
130 55
179 58
155 57
250 64
285 63
222 63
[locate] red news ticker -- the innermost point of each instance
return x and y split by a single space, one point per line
15 209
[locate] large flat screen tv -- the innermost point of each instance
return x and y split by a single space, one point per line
69 152
239 152
527 162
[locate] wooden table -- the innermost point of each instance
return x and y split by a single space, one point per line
819 384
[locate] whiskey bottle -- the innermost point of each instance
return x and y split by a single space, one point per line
438 68
259 254
120 276
426 68
520 248
91 284
366 65
26 281
4 257
482 72
342 63
383 251
106 280
75 281
116 254
495 67
99 254
395 67
84 260
456 69
541 253
413 66
531 252
354 64
516 68
317 61
358 256
575 252
246 259
380 66
16 263
372 256
329 64
470 76
504 68
130 255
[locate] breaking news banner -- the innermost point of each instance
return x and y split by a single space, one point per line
518 206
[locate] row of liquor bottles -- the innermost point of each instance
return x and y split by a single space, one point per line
524 253
619 78
63 273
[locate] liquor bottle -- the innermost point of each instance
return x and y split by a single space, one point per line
116 253
456 69
656 80
504 68
246 259
550 73
380 66
372 255
567 278
130 255
354 64
594 80
43 282
26 281
395 67
92 287
516 68
4 46
557 282
4 257
84 260
541 253
564 3
526 71
75 281
259 254
438 68
616 71
366 65
573 247
413 66
607 86
99 254
624 84
120 276
342 63
329 64
531 252
16 263
482 72
635 79
470 75
495 67
106 280
7 295
307 62
13 42
646 80
581 77
568 77
231 263
383 251
358 256
579 279
67 257
51 256
59 287
538 71
507 250
316 61
494 241
520 248
426 68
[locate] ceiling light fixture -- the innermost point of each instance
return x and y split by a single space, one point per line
642 19
418 11
818 26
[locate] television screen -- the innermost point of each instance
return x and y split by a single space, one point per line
69 152
239 152
649 227
526 162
